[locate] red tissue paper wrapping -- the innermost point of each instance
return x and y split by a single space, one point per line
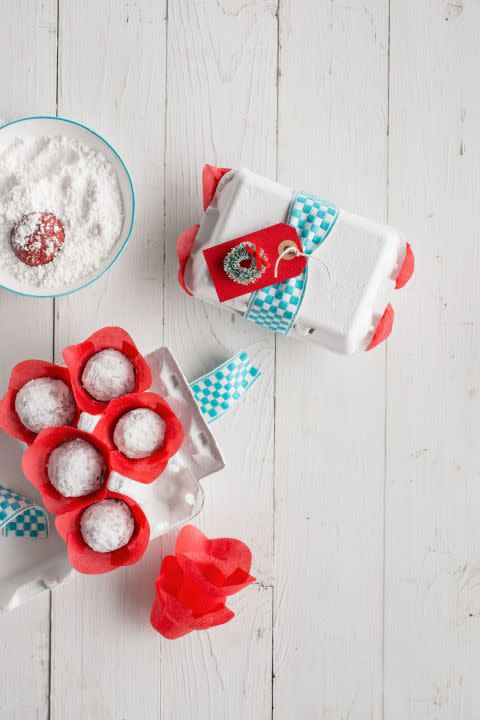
88 561
77 356
35 468
147 469
21 374
192 586
211 176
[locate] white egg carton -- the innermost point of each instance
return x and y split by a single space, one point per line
347 291
28 566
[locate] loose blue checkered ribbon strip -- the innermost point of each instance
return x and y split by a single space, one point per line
277 306
219 390
20 516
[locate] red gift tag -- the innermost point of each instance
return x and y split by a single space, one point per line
247 263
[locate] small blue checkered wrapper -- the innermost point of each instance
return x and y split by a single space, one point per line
20 516
277 306
219 390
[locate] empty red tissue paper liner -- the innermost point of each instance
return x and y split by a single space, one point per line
108 338
192 586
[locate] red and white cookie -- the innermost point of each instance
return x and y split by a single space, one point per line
37 237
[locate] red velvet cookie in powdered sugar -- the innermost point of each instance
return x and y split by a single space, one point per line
37 237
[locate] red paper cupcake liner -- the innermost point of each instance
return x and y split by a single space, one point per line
222 564
147 469
192 586
21 374
88 561
77 356
176 609
35 468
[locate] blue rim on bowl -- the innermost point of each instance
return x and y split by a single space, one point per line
129 232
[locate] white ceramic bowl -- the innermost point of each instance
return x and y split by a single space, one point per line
34 126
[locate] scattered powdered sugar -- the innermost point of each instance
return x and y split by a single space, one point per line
107 525
108 374
139 433
26 226
59 175
43 403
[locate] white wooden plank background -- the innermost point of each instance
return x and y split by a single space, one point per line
329 564
353 480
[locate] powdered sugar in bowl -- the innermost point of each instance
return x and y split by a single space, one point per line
66 206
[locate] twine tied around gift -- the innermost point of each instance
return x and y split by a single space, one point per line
291 249
312 219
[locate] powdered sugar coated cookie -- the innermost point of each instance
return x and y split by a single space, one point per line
139 433
43 403
37 237
108 374
107 526
76 468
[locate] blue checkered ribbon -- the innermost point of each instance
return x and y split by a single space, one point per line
219 390
277 306
21 517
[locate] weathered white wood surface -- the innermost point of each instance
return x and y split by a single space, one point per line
330 411
432 598
354 481
221 88
28 48
105 663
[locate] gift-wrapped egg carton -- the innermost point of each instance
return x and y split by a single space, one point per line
341 299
